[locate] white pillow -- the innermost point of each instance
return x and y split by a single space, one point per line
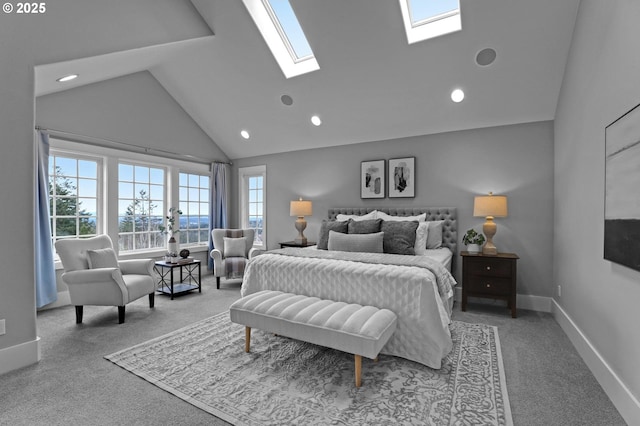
235 247
367 243
344 217
434 239
418 218
422 234
102 258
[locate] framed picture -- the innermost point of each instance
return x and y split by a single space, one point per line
372 179
402 177
622 198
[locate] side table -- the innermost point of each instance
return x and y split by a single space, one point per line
188 280
294 244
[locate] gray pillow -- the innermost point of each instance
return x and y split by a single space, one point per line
102 258
330 225
364 226
234 247
434 239
399 237
367 243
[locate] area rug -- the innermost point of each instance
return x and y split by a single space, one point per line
284 381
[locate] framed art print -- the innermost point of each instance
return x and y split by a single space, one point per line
372 179
402 177
621 195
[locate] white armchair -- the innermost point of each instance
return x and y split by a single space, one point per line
95 276
232 249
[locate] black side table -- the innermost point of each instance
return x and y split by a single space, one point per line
294 244
167 284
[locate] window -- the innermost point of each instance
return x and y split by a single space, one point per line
253 182
194 203
283 33
425 19
141 206
74 196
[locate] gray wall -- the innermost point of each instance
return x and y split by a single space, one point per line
451 169
601 84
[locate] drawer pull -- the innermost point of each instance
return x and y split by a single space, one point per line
488 268
488 285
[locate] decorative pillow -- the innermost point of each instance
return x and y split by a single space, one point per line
330 225
102 258
345 217
399 236
235 247
434 239
422 233
419 218
364 226
367 243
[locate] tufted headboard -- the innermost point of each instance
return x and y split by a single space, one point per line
448 214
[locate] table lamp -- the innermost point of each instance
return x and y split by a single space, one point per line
300 208
490 206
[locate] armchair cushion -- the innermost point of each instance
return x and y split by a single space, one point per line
102 258
235 247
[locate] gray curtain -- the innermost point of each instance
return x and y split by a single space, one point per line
46 290
217 201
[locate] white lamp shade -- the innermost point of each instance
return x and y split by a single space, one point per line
490 205
301 208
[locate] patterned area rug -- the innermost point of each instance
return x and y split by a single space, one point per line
284 381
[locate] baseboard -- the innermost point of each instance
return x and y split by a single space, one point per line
19 356
523 301
626 403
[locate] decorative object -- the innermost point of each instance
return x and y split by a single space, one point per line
171 229
317 383
402 177
490 206
372 175
473 240
184 253
174 258
300 208
622 198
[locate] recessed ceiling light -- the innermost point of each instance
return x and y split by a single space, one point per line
245 134
67 78
316 120
457 95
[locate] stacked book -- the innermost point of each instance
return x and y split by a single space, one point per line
184 260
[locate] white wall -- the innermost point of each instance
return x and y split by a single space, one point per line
451 169
601 298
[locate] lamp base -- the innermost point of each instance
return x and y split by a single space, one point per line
301 224
489 228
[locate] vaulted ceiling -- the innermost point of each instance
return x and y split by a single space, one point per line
372 85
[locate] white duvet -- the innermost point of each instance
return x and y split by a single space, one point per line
417 289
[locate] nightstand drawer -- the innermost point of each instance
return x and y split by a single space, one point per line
490 267
490 285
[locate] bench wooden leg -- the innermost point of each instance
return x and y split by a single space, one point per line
358 359
247 339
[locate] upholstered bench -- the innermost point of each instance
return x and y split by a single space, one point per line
351 328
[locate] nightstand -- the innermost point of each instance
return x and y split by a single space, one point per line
491 277
294 244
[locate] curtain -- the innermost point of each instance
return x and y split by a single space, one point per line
46 290
217 202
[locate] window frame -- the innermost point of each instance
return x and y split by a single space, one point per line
189 172
432 27
244 173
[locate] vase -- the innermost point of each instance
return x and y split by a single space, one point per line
172 245
474 248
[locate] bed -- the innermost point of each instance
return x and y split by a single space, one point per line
418 289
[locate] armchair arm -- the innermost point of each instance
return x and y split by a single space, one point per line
256 252
101 286
137 266
217 262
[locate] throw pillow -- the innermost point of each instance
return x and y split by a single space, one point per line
367 243
364 226
399 237
330 225
434 239
345 217
422 233
102 258
420 218
235 247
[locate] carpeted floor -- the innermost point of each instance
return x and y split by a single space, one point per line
547 381
285 381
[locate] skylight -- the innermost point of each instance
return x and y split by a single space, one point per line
425 19
283 34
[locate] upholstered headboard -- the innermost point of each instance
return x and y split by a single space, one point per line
448 214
